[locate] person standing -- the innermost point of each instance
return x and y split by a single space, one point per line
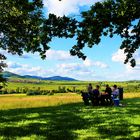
115 95
115 91
90 88
96 94
108 92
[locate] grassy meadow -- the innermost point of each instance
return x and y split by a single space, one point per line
63 116
27 86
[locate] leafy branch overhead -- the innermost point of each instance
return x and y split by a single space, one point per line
24 28
120 17
2 66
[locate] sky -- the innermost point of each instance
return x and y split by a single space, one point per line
104 62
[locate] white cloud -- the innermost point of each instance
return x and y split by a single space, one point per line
84 66
58 55
133 70
66 7
11 64
84 70
119 56
70 67
24 55
75 70
130 31
50 54
80 70
24 69
129 72
100 64
90 63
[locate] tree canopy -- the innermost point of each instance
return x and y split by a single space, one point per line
19 26
120 17
20 23
24 28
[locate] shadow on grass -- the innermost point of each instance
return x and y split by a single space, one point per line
133 105
72 121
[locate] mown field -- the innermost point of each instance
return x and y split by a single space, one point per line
64 117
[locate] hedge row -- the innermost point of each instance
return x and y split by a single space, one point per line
38 91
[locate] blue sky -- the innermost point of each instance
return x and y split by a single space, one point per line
104 62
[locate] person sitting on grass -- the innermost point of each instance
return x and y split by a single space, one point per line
85 97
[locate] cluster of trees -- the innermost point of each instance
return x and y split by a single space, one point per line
24 28
39 91
130 88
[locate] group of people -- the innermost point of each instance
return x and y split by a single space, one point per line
106 97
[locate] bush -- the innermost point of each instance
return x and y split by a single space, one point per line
24 90
18 90
69 90
11 91
51 93
78 91
45 92
60 90
4 91
33 92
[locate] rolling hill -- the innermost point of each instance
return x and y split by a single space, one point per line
7 74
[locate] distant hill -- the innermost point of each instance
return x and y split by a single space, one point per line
59 78
32 77
53 78
7 74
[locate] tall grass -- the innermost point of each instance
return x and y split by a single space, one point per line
22 101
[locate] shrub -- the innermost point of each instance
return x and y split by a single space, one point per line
24 90
18 90
4 91
69 90
11 91
31 92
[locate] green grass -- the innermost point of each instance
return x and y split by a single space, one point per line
79 85
64 117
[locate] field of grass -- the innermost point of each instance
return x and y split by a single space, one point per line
30 87
64 117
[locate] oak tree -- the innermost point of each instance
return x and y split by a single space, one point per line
23 27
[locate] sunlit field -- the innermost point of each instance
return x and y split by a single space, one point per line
65 117
12 101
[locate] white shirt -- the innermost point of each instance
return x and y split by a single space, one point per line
115 92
